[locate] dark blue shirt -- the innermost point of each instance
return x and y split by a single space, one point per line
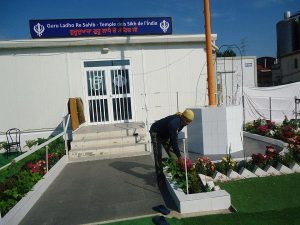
168 128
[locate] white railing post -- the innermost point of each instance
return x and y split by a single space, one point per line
270 104
47 162
65 135
185 167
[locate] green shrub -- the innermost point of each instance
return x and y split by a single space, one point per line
38 141
14 188
179 177
17 180
3 145
287 159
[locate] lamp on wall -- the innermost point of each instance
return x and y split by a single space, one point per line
105 50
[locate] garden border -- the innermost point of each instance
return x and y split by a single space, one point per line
199 202
19 211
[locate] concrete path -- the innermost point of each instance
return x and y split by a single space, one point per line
98 191
102 190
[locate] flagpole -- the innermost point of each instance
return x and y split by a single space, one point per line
210 66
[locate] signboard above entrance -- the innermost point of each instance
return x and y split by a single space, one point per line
100 27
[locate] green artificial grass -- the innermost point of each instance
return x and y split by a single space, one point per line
279 217
264 193
259 201
289 216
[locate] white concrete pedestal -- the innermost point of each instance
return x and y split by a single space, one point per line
214 130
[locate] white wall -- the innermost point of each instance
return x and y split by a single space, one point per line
173 70
229 77
37 83
290 73
33 88
158 73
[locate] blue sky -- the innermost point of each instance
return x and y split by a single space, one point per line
252 22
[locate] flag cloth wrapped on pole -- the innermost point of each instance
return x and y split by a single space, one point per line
210 66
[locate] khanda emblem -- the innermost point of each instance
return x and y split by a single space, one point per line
39 29
164 25
97 82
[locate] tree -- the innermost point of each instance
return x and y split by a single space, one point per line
227 53
244 45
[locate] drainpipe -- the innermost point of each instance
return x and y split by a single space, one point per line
210 68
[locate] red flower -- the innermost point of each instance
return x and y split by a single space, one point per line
263 129
259 158
271 152
33 167
30 165
287 132
35 170
181 163
204 160
270 124
36 167
213 167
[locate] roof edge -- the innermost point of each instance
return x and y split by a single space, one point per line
68 42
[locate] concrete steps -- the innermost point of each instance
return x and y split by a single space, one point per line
108 141
92 142
92 133
110 156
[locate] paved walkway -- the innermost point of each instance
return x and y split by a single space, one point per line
97 191
102 190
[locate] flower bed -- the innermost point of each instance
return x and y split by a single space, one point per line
288 131
18 179
270 163
202 197
197 202
19 211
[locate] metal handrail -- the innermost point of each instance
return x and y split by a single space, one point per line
43 145
65 128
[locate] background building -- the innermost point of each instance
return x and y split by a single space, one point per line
264 71
234 73
288 49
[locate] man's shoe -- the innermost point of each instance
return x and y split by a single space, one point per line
160 220
162 209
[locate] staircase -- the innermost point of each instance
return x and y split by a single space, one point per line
108 141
